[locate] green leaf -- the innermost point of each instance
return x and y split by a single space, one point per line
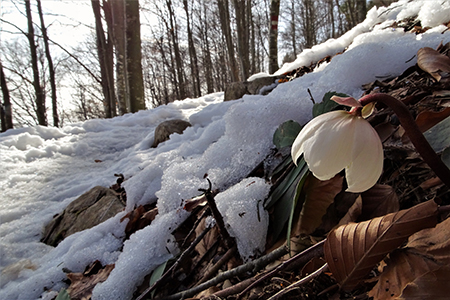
327 104
286 133
157 273
298 190
446 157
63 295
282 198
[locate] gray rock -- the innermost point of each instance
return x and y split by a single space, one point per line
166 128
87 211
262 85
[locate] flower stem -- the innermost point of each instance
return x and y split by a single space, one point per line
414 134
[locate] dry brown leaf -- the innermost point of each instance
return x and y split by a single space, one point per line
352 250
82 284
353 213
378 201
434 242
403 267
318 196
434 63
427 119
433 285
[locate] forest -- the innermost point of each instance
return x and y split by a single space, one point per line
142 54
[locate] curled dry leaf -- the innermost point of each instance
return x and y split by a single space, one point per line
82 284
378 201
432 285
352 250
434 63
319 195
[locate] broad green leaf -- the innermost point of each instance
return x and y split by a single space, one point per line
63 295
298 190
157 273
283 197
327 104
446 157
286 133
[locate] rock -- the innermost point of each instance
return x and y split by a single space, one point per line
262 85
166 128
88 210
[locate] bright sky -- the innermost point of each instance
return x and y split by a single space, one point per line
67 20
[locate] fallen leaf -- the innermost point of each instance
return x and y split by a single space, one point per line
434 63
352 250
378 201
403 267
427 119
432 285
318 196
82 285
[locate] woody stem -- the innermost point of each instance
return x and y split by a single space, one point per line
414 133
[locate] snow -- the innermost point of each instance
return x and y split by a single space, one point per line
43 169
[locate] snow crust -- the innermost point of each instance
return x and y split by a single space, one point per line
43 169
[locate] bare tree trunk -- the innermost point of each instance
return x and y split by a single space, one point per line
361 10
176 48
40 96
207 61
224 15
51 69
134 56
105 56
192 54
273 35
241 12
5 107
118 30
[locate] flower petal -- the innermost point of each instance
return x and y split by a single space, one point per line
347 101
326 143
367 159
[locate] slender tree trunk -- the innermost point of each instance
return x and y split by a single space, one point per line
104 49
6 110
273 35
176 48
40 96
241 12
361 10
134 56
224 15
192 53
118 30
51 69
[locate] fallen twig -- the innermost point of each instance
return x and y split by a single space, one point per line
175 265
299 259
300 282
252 266
227 256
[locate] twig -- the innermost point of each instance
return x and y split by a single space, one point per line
173 267
229 242
299 259
233 290
300 282
252 266
227 256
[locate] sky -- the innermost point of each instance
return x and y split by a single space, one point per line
43 169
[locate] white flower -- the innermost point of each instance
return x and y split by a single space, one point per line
340 140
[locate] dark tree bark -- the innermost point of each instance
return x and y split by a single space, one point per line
273 35
224 15
51 68
242 24
41 113
134 56
361 10
105 55
192 54
118 35
5 107
176 50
